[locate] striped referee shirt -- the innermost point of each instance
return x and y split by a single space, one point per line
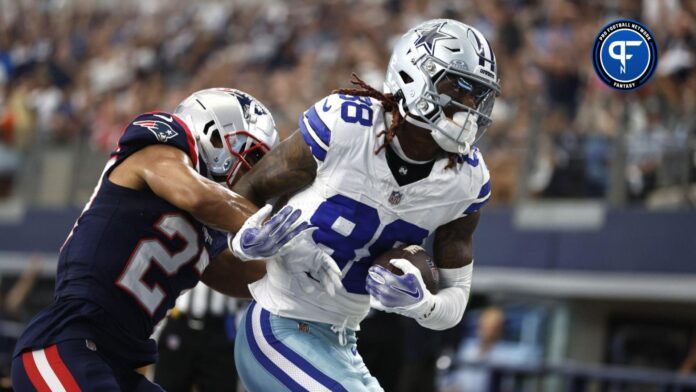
201 301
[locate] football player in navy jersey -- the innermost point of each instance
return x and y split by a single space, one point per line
155 220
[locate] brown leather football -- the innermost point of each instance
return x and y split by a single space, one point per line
418 257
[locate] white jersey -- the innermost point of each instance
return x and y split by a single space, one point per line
360 210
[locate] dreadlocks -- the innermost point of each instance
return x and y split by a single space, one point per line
389 104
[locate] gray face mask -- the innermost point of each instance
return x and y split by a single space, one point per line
464 125
420 60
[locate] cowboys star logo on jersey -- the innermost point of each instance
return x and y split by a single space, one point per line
160 129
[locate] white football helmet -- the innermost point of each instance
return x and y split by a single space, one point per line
429 53
233 130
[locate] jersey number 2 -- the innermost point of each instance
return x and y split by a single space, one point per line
151 250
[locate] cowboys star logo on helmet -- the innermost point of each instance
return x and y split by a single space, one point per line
427 37
439 53
160 129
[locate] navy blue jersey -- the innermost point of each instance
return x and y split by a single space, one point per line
128 257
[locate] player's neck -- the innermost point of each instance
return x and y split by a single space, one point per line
398 150
417 144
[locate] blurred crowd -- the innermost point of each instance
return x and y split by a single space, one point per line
79 70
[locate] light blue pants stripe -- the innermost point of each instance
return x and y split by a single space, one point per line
275 353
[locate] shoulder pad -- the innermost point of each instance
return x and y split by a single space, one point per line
157 128
481 181
334 119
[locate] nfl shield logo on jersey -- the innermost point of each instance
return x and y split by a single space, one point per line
395 198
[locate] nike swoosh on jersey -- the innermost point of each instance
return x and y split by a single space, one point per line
414 294
326 107
165 118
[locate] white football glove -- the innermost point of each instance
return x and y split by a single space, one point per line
261 239
402 294
310 265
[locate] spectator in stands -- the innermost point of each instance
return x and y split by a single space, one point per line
76 71
11 310
480 351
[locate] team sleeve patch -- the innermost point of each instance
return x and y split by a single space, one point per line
315 133
483 196
158 128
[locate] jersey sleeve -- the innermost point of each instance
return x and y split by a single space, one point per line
332 125
215 241
481 191
156 128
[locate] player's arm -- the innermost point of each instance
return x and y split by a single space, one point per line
230 276
454 255
284 170
454 245
169 173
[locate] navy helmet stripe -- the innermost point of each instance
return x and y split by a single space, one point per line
478 47
487 49
490 56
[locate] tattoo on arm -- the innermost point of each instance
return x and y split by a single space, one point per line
284 170
454 246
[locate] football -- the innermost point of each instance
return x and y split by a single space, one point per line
418 257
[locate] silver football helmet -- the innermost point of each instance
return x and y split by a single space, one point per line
233 130
444 52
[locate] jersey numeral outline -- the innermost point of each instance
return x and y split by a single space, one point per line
356 109
347 225
151 251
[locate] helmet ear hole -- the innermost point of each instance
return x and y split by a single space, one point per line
405 77
207 126
215 139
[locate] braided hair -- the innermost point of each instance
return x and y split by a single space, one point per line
388 101
390 104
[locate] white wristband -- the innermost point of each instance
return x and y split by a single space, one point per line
452 298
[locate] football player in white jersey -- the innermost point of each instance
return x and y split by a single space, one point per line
372 171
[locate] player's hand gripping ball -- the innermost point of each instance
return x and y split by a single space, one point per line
402 288
418 257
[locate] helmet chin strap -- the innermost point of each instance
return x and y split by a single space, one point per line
463 124
445 142
450 145
411 119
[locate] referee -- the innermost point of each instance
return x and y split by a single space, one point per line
196 345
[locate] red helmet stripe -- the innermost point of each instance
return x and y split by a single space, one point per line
189 138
